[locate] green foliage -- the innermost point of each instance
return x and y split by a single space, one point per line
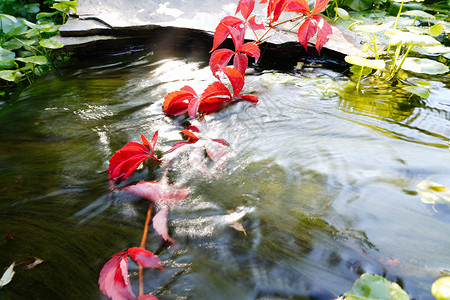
25 38
372 287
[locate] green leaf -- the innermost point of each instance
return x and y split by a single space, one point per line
45 15
7 276
417 90
364 62
357 70
409 38
342 13
12 18
51 44
4 54
373 28
424 66
372 287
10 75
441 288
38 59
12 44
435 30
419 13
7 63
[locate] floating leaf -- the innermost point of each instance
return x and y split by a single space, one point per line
441 288
419 14
364 62
7 276
37 59
372 28
357 70
424 66
412 39
34 264
51 44
238 226
372 287
417 90
433 193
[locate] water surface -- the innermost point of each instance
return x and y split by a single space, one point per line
326 186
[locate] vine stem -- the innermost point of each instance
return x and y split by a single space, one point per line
142 245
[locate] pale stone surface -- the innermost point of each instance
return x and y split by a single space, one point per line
138 17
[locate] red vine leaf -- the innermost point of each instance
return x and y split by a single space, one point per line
220 59
306 31
240 62
248 97
246 7
253 25
251 49
299 6
127 159
160 224
222 30
319 6
236 79
114 281
322 34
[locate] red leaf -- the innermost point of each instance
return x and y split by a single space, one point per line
248 97
176 103
193 128
322 34
178 145
145 141
276 7
193 107
145 257
160 224
236 79
220 59
319 6
216 89
211 105
251 49
216 150
126 160
191 136
246 7
299 6
222 30
153 143
306 31
240 62
237 34
253 25
147 297
161 193
113 280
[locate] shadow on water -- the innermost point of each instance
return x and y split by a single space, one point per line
324 185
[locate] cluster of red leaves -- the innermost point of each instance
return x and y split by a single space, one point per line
114 281
313 24
127 159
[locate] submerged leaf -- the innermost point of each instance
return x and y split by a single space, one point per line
364 62
7 276
433 193
372 287
417 90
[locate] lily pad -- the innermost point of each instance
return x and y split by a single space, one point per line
419 13
412 39
424 66
364 62
373 28
342 13
417 90
441 288
372 287
11 75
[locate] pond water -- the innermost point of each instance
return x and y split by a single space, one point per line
326 186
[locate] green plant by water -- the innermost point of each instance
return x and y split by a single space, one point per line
26 47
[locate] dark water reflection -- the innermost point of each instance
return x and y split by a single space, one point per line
325 186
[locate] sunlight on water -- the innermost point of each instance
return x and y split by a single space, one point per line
326 184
